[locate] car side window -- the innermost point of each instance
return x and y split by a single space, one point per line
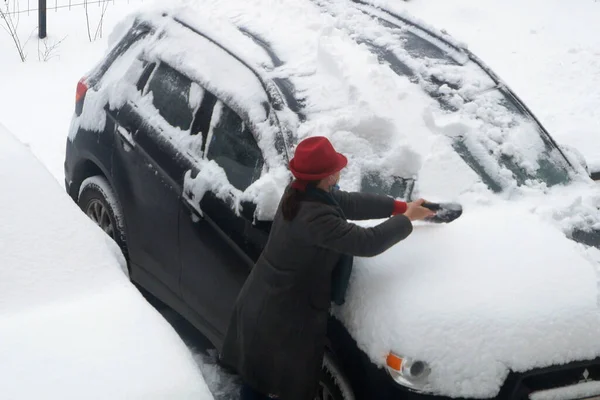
232 146
172 96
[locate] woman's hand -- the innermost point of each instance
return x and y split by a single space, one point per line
416 212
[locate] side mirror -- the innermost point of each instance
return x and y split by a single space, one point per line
578 161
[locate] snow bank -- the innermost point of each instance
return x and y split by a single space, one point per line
494 291
71 324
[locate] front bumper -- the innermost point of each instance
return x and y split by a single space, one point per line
577 380
527 384
372 383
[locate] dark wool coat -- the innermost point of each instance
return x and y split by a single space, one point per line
276 338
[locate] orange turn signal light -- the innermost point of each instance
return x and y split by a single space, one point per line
394 362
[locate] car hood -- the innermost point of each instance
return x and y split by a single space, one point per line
497 290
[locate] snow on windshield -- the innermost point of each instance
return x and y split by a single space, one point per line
492 123
343 88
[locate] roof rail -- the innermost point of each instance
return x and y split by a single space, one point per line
286 87
410 22
280 140
262 44
217 43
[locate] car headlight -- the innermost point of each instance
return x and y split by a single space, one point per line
408 372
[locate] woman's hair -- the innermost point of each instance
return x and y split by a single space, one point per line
291 201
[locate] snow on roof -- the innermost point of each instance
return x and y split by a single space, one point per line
377 114
391 120
71 324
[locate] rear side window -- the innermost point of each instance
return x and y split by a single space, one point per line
232 146
138 31
170 92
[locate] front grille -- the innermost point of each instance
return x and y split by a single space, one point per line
519 386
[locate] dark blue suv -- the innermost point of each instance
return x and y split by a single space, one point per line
162 156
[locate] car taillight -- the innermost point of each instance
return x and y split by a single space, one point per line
80 96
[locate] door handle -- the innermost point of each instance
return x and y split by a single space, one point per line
127 138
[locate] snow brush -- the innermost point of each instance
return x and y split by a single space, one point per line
444 212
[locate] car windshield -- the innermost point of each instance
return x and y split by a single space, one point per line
490 130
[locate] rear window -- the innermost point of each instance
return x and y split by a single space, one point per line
170 91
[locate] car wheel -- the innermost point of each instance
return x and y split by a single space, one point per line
99 202
333 384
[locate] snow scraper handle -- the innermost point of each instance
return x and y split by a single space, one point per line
444 212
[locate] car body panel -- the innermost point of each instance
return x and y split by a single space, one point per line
141 172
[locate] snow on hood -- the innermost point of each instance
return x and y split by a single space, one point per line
496 290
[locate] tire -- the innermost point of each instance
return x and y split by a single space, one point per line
99 202
333 384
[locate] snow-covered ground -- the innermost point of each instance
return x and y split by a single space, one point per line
546 51
37 98
71 324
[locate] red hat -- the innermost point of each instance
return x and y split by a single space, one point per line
316 159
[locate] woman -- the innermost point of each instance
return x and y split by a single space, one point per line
276 338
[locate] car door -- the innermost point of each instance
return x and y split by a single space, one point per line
218 247
148 173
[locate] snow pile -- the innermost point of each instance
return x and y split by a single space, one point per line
71 324
572 209
501 290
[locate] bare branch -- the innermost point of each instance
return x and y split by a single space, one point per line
12 30
49 49
87 19
101 22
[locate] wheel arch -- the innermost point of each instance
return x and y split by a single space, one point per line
83 170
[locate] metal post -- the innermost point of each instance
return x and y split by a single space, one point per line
42 19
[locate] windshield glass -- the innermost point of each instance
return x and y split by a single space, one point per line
488 128
504 145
